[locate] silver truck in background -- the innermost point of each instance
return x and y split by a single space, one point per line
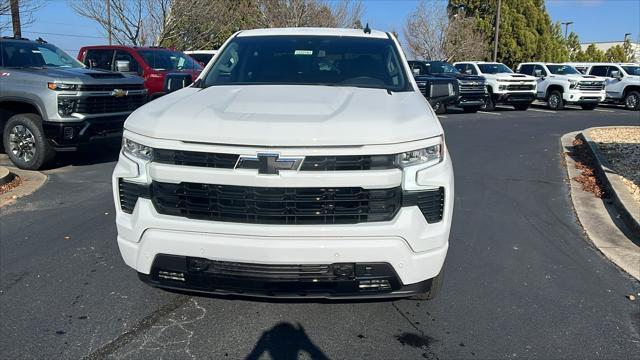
50 102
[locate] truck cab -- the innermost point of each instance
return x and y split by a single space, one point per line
156 65
622 84
561 84
470 92
504 86
50 102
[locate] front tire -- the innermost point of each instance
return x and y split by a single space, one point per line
632 100
25 143
521 107
439 108
555 100
588 106
434 290
489 104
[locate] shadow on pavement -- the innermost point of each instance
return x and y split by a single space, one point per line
90 155
285 342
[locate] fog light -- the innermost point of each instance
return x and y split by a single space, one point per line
344 270
171 275
374 285
66 107
68 132
198 264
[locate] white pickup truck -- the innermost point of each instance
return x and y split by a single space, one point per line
560 84
301 162
503 85
622 83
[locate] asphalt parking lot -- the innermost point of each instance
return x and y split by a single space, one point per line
521 280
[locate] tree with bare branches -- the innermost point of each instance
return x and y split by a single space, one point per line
433 33
26 8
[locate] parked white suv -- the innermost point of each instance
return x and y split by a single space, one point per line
503 85
560 84
302 161
622 83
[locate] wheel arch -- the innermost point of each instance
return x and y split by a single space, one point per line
553 87
630 88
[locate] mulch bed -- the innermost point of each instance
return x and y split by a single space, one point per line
585 163
10 185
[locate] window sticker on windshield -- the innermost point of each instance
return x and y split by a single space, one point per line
303 52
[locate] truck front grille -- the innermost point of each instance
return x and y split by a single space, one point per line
261 205
590 85
468 88
109 87
108 104
521 87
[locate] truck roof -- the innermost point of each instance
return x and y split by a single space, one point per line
314 31
116 47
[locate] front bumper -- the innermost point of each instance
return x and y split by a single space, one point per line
583 97
469 100
514 97
68 136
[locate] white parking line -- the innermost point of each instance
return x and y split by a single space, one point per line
603 110
490 113
541 110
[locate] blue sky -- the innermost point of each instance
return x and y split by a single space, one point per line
594 20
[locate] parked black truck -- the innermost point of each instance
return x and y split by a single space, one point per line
468 92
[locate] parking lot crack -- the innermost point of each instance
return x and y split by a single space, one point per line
138 329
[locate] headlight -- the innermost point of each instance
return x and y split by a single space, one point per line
62 86
132 148
430 155
572 84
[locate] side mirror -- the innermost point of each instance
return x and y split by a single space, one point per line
616 74
537 73
173 82
415 71
122 66
468 72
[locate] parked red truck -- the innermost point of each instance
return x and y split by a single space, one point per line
153 64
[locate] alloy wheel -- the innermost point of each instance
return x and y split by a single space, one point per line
632 101
554 101
22 143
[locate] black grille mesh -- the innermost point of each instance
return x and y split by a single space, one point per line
195 158
261 205
430 202
109 104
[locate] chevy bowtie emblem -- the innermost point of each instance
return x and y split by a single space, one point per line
269 163
118 93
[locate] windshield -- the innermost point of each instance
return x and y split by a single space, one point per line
562 69
632 70
440 67
162 59
494 68
309 60
21 54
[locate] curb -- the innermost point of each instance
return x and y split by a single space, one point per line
629 211
6 176
595 216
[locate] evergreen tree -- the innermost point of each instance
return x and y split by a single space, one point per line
526 30
593 54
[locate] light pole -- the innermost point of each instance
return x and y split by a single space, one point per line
109 19
495 46
566 27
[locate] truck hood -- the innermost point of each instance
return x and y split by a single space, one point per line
510 77
576 77
287 115
461 76
81 76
